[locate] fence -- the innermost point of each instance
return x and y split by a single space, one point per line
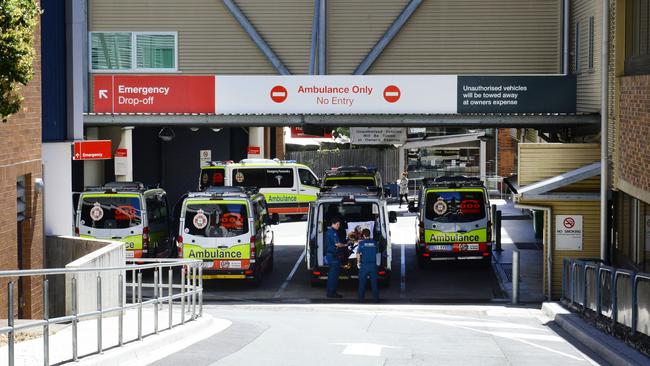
385 160
188 289
619 296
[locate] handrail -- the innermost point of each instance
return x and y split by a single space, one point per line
574 279
191 291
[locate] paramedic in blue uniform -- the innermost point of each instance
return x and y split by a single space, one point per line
333 242
367 262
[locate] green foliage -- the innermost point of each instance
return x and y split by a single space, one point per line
18 21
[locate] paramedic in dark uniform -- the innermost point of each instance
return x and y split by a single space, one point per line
367 262
332 241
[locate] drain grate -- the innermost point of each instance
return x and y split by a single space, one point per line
529 246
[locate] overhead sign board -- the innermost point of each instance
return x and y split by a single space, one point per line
334 94
568 232
153 94
377 135
92 150
298 132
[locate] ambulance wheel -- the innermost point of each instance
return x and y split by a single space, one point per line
486 262
316 283
385 282
257 278
269 263
423 263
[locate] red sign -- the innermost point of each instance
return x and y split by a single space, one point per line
279 94
297 132
392 94
121 153
153 94
569 223
92 150
254 150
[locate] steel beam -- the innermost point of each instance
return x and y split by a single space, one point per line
364 120
314 37
387 37
256 37
322 37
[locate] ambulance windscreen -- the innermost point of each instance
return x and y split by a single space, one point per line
111 212
348 181
216 220
455 206
213 177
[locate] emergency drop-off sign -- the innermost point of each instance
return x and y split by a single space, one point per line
333 94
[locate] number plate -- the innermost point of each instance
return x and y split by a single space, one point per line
209 264
229 264
440 248
130 254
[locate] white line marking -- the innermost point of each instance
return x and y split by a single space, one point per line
402 268
290 276
279 94
391 94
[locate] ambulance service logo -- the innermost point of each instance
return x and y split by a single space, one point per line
200 221
440 207
96 213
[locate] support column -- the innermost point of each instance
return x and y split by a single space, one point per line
256 139
93 169
483 160
402 160
280 149
126 142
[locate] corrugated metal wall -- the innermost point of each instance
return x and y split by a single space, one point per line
588 79
386 160
590 211
541 161
443 36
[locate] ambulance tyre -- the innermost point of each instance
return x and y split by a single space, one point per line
486 262
315 282
269 262
385 282
257 278
423 263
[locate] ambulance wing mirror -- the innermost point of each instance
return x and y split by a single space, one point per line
412 206
392 217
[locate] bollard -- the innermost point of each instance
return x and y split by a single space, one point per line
515 277
155 303
497 231
139 305
183 295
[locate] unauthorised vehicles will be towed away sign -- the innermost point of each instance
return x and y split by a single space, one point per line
334 94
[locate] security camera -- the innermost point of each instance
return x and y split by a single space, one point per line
166 134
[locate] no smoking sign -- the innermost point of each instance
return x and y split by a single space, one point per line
569 222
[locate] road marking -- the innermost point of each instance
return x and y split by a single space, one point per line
363 349
290 276
402 284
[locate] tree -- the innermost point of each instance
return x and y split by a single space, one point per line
18 21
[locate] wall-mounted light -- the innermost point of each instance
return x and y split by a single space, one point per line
166 134
194 129
217 129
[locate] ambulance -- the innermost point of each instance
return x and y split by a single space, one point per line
287 186
454 221
359 208
351 176
128 212
229 230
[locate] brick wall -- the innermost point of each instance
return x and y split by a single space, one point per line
633 163
20 154
507 153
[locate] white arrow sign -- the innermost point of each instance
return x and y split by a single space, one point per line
103 94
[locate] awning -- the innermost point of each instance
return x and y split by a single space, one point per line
518 120
542 189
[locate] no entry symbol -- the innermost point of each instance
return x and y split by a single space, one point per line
392 94
569 223
279 94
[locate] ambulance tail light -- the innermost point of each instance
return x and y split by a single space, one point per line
421 231
252 246
316 273
381 273
489 231
248 272
145 239
179 244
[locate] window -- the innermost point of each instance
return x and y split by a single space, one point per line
576 53
591 43
20 198
153 51
111 212
211 178
453 206
218 220
637 37
263 178
307 178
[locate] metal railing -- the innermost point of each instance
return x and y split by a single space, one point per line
620 297
188 289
